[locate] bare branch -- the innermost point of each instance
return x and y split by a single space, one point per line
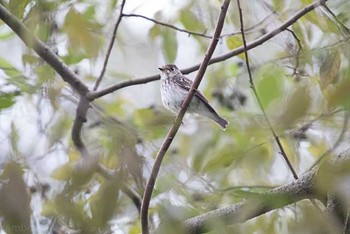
111 43
273 199
251 81
239 50
298 52
303 188
248 30
168 25
171 134
80 119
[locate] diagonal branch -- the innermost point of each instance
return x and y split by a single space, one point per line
239 50
306 187
67 75
43 51
171 134
110 46
300 189
251 81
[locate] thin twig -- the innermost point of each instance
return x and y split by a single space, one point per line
248 30
342 26
111 43
96 94
168 25
298 52
171 134
251 81
337 142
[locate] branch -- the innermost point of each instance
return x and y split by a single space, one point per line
67 75
251 81
43 51
303 188
239 50
111 43
80 119
298 52
171 134
248 30
273 199
168 25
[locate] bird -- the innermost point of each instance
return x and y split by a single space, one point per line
174 90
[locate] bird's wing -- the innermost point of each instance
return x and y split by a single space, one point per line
186 84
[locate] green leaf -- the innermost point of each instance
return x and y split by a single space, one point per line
64 172
60 128
154 32
14 136
73 57
29 59
295 107
80 32
329 69
269 85
45 73
169 45
233 42
104 203
8 68
7 35
338 95
190 21
147 119
306 2
7 100
17 7
278 4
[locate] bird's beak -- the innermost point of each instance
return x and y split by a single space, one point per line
160 68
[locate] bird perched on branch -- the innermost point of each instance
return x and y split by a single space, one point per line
174 90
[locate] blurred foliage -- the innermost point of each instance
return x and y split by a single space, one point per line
302 81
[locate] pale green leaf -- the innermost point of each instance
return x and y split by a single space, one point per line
80 32
329 69
294 107
64 172
7 100
17 7
190 21
169 45
269 84
8 68
233 42
338 94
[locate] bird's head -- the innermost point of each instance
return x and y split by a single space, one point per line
169 70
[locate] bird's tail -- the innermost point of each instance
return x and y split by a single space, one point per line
209 112
221 121
216 118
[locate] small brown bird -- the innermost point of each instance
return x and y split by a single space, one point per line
174 89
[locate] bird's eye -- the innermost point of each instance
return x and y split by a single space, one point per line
172 68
